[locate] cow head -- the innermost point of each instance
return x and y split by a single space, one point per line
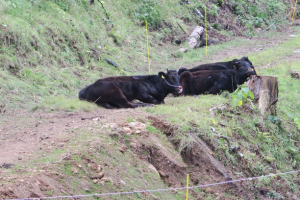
244 69
171 81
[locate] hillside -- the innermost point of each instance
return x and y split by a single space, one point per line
52 144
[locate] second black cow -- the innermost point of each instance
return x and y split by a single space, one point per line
241 65
212 81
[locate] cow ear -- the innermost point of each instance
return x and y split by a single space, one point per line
162 74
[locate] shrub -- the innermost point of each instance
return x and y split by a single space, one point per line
240 96
149 11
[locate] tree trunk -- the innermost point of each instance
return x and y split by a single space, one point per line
265 90
195 36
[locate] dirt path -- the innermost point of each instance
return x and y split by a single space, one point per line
24 134
254 44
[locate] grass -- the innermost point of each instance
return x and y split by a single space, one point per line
46 59
270 151
45 46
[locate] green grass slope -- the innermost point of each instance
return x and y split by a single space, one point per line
46 58
54 48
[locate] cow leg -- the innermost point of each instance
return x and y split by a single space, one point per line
143 104
118 100
147 98
186 88
107 105
124 103
214 90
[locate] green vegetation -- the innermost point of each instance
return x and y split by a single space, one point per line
240 96
49 50
270 144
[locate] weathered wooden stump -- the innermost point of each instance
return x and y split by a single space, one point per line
295 74
265 90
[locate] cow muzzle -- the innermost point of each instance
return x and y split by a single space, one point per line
251 71
180 89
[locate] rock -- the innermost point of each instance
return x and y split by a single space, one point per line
101 183
178 41
13 176
184 50
113 125
122 182
95 181
116 135
162 173
127 130
107 179
97 176
110 125
295 74
95 120
7 165
44 136
61 144
154 197
153 169
99 168
133 145
137 125
121 149
75 170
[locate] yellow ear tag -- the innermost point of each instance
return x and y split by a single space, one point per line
162 76
234 67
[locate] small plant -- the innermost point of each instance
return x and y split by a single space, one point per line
149 11
274 120
240 96
130 120
264 135
214 10
297 121
220 2
274 195
151 129
62 5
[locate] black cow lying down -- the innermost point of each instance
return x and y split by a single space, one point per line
118 91
239 64
209 81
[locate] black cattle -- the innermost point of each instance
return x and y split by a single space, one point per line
117 92
211 81
238 64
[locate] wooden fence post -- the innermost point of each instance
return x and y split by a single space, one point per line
265 90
